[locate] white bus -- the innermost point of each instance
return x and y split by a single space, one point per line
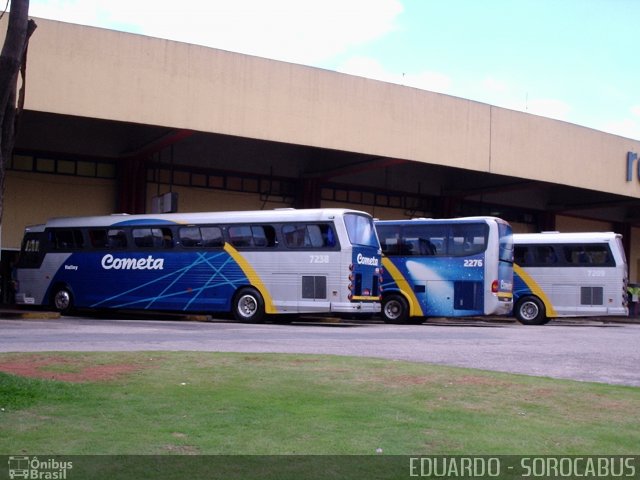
568 275
250 263
445 268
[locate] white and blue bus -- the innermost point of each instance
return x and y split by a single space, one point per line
569 275
250 263
445 268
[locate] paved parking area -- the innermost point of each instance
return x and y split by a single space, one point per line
582 350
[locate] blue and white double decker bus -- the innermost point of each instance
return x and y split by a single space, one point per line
250 263
445 268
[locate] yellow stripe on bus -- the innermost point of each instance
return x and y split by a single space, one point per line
253 277
535 289
415 310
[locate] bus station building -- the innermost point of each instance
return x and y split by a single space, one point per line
121 123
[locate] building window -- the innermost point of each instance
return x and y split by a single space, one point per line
62 166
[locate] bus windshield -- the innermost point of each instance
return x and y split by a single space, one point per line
360 230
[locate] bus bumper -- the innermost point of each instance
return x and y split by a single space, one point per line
504 308
618 311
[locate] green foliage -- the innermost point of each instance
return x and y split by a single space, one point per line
213 403
17 393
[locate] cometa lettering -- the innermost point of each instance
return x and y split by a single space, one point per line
504 285
148 263
362 260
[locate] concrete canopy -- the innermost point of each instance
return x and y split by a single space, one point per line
116 96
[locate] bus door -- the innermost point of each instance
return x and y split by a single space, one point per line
467 246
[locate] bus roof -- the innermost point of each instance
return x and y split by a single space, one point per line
442 220
277 215
558 237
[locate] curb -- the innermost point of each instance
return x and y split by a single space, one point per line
29 314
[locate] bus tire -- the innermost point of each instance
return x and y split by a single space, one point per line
530 311
248 306
62 300
395 309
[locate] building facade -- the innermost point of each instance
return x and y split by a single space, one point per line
113 121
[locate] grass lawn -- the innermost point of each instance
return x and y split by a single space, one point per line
158 403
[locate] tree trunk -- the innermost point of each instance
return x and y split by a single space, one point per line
12 61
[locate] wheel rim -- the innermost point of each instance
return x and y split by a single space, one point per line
392 310
529 310
62 300
247 306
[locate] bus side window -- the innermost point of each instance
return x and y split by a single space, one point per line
78 239
212 237
309 236
258 236
588 254
116 239
263 236
426 247
547 256
58 241
30 255
314 236
583 257
270 235
328 235
152 237
164 237
241 236
142 237
319 236
529 258
600 255
98 238
521 255
390 246
294 235
389 239
67 239
408 248
190 237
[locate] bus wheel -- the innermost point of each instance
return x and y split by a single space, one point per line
248 306
62 300
530 311
395 309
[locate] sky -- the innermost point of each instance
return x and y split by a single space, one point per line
572 60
